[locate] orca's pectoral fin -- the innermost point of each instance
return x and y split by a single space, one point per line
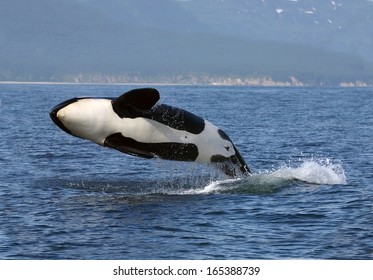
232 170
126 145
233 167
228 169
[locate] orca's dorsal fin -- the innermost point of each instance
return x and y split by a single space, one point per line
142 99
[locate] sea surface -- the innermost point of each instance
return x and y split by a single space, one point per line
310 196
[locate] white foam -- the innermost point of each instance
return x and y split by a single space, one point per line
314 172
214 186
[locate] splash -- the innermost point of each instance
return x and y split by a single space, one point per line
312 171
213 187
304 172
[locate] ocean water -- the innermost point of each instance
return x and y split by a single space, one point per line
310 196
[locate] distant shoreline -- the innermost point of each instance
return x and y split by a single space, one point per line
186 80
279 84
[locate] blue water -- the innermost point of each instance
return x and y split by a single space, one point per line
311 195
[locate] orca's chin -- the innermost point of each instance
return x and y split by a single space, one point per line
54 114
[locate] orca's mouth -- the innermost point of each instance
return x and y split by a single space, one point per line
53 114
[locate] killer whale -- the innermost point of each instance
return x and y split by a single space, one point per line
134 124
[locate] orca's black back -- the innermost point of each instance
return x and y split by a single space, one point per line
177 118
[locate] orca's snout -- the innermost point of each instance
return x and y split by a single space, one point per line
54 114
